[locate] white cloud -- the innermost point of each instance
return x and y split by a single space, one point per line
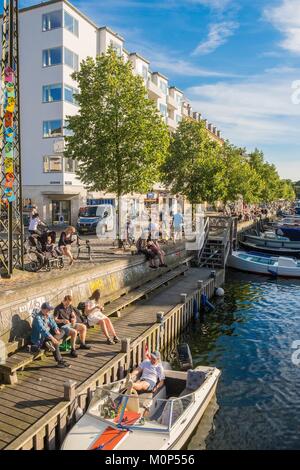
286 18
217 36
253 112
180 67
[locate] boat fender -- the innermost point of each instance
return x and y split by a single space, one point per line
219 292
195 310
273 273
205 303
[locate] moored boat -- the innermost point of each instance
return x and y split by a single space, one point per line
269 242
119 419
264 264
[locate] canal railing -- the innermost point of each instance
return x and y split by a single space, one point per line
49 432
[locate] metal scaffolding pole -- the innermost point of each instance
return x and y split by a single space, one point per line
11 218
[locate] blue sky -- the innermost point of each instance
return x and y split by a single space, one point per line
237 60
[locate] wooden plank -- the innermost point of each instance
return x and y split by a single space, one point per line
27 413
12 421
7 428
17 414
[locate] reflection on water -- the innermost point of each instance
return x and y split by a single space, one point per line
249 337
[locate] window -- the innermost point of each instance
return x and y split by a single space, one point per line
52 56
117 47
178 118
71 24
52 128
178 99
52 20
70 165
145 72
70 94
163 109
71 59
163 86
53 164
52 93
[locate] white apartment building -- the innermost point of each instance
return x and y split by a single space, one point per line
54 38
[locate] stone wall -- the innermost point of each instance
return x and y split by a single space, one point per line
112 278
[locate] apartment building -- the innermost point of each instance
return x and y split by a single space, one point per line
54 38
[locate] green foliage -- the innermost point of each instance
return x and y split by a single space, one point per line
239 178
192 166
273 188
119 138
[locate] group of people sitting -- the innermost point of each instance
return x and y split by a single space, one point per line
49 331
152 251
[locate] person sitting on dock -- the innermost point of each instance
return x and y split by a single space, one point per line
69 321
151 373
154 247
94 312
142 249
45 333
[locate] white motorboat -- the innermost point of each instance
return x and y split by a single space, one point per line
119 419
264 264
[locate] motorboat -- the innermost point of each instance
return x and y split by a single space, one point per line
271 243
292 232
264 264
120 419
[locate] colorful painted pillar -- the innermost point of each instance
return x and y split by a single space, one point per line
11 223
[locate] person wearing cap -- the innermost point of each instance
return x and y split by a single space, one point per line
151 373
45 333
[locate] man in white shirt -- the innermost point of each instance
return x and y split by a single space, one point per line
152 374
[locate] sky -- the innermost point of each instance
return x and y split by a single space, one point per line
238 61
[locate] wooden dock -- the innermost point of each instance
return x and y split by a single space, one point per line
34 413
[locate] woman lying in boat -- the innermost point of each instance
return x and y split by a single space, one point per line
152 375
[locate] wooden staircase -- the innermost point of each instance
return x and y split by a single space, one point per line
220 239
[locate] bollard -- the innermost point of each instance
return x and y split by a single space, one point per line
183 298
125 345
69 390
160 317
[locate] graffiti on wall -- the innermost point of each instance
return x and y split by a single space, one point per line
7 133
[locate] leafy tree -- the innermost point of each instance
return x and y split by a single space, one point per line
239 178
118 136
192 167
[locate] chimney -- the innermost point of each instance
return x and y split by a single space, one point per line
199 117
219 134
205 122
215 130
210 127
195 115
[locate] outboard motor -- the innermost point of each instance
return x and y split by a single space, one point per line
184 356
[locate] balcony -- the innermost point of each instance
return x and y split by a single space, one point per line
154 91
172 124
172 103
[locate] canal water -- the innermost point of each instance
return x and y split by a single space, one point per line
249 337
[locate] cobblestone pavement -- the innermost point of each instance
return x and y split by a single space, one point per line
101 254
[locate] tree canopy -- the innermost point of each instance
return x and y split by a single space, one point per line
118 136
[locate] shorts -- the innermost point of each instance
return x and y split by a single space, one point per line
95 317
151 384
66 328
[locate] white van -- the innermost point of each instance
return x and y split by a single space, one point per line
95 219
